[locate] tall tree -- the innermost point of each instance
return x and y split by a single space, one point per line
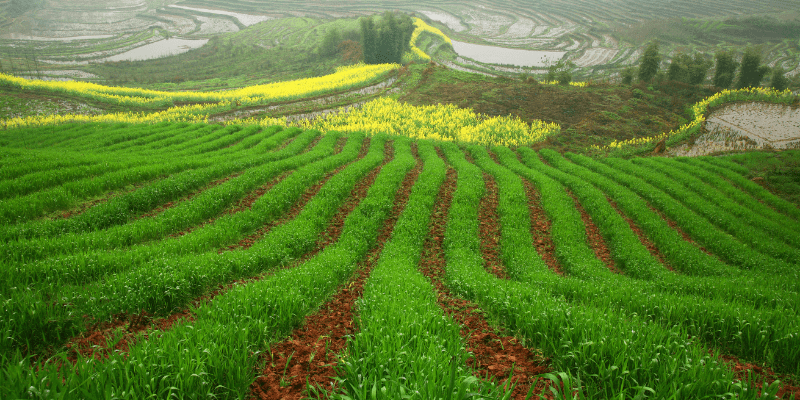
778 81
751 72
725 69
648 64
698 69
627 75
386 40
369 40
678 69
330 43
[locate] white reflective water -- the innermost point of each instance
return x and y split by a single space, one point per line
746 126
19 36
245 19
502 55
447 19
162 48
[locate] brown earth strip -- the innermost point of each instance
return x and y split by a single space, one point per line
309 194
489 229
82 207
646 242
126 327
540 228
495 355
217 182
324 335
331 234
160 209
594 238
674 225
788 389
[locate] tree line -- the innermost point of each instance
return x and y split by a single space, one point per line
381 40
693 70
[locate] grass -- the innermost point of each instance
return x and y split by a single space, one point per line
120 257
778 171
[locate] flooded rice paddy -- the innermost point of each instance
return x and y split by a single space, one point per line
746 126
245 19
502 55
162 48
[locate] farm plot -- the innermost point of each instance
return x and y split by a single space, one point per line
206 273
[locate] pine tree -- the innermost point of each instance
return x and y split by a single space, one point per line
648 65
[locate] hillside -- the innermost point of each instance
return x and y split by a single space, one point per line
265 217
190 270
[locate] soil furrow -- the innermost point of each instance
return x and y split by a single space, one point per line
124 328
674 225
646 242
309 194
335 226
540 228
166 206
489 229
594 238
83 207
496 356
218 182
760 374
323 335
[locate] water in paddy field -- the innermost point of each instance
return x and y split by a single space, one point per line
777 125
245 19
162 48
18 36
447 19
502 55
744 126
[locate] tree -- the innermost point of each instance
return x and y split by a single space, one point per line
561 72
386 40
648 64
698 69
678 69
351 51
691 70
368 40
752 72
330 43
725 70
778 81
627 75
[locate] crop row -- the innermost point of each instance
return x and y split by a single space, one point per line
258 228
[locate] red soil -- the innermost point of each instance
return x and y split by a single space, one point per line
495 355
309 194
160 209
540 228
674 225
594 238
760 374
324 334
651 247
489 229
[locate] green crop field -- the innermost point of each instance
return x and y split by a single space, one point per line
173 260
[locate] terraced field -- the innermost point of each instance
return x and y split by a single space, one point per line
266 262
601 37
